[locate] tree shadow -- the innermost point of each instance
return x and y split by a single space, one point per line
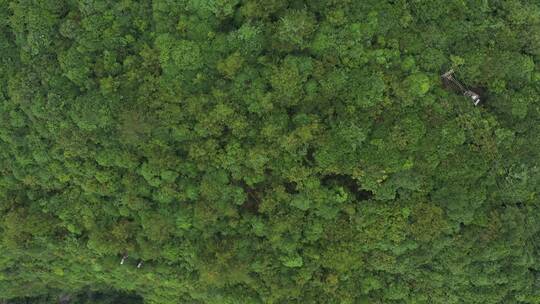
348 183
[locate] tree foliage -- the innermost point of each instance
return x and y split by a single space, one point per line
269 151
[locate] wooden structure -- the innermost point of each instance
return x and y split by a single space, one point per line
451 81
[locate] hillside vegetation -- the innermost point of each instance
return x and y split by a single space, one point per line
269 151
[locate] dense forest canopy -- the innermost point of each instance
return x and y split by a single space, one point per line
269 151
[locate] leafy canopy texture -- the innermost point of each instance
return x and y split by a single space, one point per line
269 151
